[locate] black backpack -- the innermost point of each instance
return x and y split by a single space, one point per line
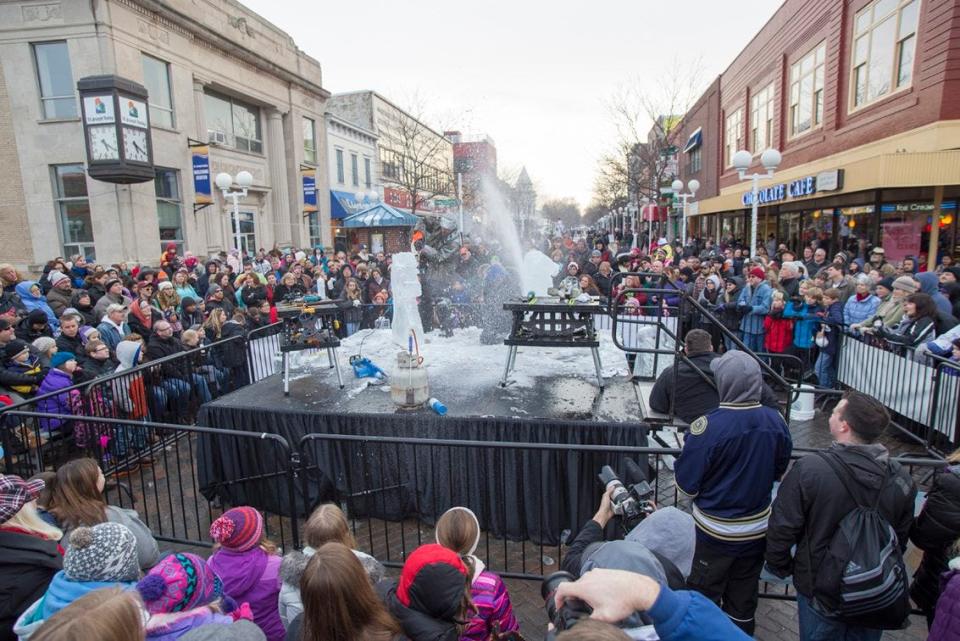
862 579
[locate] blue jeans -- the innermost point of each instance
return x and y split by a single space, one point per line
179 388
816 627
824 370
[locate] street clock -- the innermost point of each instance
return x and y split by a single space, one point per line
116 129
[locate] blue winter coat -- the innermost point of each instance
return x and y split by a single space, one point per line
758 303
806 325
686 615
857 311
832 321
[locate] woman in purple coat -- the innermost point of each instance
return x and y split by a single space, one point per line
249 566
60 376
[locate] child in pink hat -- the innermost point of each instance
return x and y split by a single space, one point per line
249 566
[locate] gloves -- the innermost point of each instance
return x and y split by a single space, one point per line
356 303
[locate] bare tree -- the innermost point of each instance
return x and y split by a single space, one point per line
414 157
565 210
643 157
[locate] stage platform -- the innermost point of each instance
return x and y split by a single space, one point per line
551 399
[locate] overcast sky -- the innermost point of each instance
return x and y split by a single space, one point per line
536 76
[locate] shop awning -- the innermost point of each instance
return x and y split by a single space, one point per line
694 141
343 204
380 215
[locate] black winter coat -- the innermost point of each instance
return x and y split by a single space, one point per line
419 626
159 348
934 532
232 355
812 500
27 564
67 344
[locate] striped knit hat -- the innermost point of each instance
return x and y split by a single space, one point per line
239 529
177 583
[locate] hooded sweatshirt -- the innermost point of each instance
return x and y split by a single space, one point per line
731 458
61 593
929 284
254 577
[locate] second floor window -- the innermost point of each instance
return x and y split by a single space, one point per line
806 91
354 170
55 78
695 156
885 42
761 119
367 180
309 140
734 136
237 123
340 166
156 78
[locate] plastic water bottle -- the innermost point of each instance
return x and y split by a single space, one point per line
437 406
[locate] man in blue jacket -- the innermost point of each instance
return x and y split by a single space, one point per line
754 304
731 458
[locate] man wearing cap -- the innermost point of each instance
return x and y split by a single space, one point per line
730 460
890 310
114 326
814 498
878 258
114 296
754 305
592 266
29 558
58 298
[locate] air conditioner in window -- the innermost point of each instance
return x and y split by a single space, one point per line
217 137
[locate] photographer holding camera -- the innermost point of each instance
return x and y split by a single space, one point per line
614 595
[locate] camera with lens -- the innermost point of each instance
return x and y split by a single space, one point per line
632 504
567 615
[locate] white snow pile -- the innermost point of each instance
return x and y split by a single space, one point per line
461 357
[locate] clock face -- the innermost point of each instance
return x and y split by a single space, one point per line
135 145
103 143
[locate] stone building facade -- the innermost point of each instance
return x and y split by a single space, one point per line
216 73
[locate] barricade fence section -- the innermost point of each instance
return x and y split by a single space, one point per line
922 391
165 473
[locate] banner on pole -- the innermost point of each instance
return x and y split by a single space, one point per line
203 194
308 176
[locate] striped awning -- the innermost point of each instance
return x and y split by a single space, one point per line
380 215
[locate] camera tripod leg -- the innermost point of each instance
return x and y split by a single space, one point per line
330 357
511 359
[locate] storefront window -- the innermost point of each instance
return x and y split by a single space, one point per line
905 228
856 229
732 228
818 227
789 233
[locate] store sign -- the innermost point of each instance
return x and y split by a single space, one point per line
799 188
915 208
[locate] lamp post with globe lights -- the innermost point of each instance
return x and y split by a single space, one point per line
692 187
224 182
770 159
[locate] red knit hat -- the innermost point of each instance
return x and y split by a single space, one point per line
239 529
757 272
423 557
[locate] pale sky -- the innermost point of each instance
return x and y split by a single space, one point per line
535 76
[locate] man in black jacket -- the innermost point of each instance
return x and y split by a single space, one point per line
176 373
812 500
694 391
69 338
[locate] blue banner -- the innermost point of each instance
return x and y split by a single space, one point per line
203 194
309 179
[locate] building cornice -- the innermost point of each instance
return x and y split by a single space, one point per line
171 18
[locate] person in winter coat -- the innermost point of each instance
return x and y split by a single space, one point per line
709 298
828 338
61 291
32 299
114 327
102 556
459 530
351 302
754 304
805 316
862 305
432 598
216 298
728 310
813 499
182 593
29 554
191 316
289 287
109 614
935 533
777 328
917 325
339 601
130 399
21 372
946 621
33 326
327 524
167 296
889 311
930 285
95 360
114 296
44 348
69 339
83 303
142 317
60 376
247 563
77 501
182 285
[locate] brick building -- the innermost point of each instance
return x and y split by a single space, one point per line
216 73
862 97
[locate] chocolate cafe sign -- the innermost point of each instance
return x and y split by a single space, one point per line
800 188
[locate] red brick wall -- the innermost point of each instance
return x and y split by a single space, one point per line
796 28
704 114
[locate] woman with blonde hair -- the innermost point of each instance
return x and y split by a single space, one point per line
327 524
111 614
29 554
459 530
339 602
